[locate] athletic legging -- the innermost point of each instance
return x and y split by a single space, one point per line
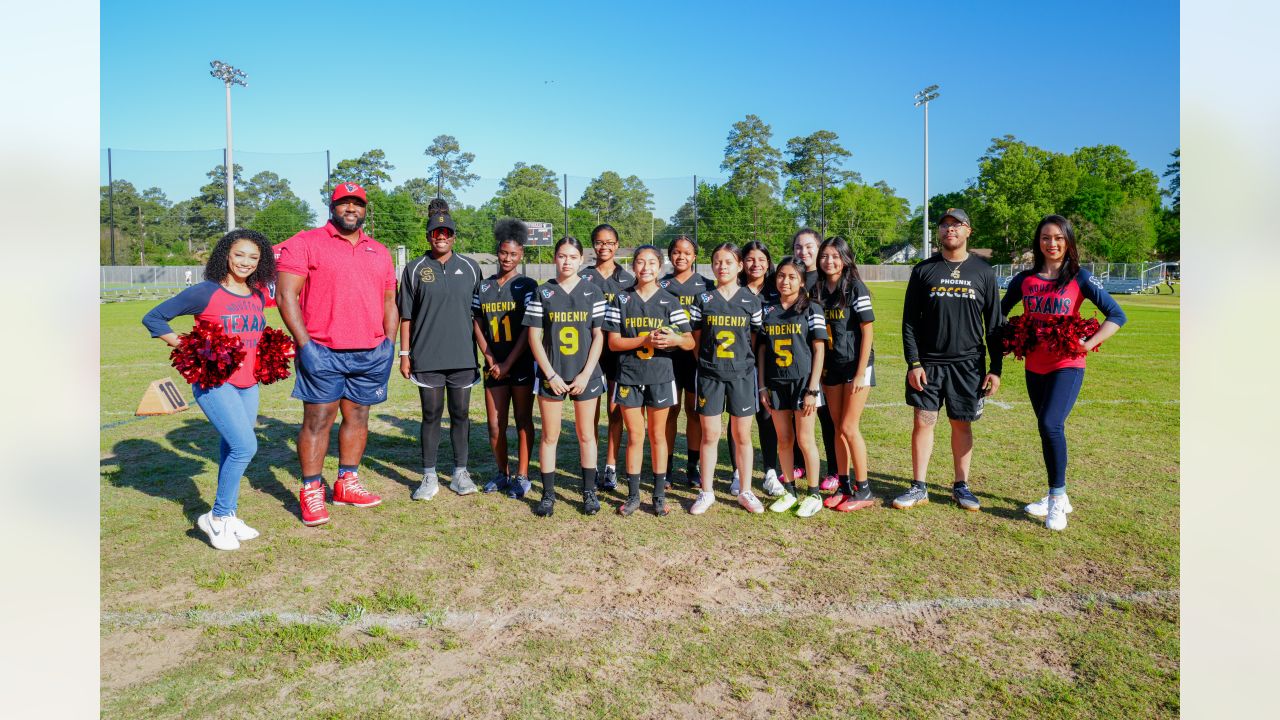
828 442
459 423
1052 397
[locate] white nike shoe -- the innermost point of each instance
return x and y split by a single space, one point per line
1057 517
703 503
1040 508
219 530
241 530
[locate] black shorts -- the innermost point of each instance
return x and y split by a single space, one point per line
959 385
461 378
685 366
789 394
843 375
738 396
520 376
595 389
655 395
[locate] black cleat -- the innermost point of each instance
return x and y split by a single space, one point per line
630 506
608 479
590 503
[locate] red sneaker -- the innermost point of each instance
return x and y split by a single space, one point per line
834 500
312 501
349 491
850 504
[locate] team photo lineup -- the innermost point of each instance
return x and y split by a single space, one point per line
785 348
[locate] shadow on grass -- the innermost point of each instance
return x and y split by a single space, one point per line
149 467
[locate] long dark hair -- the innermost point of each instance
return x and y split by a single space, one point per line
601 228
1070 263
768 258
844 288
802 297
219 265
569 240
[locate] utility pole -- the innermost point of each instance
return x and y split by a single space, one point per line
111 206
229 76
923 98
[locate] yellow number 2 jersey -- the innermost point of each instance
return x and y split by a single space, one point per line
724 351
567 319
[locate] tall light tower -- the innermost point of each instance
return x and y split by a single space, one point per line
229 76
922 98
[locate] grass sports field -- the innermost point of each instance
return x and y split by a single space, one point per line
474 607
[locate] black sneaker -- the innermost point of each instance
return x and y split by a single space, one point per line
630 506
693 476
608 479
965 498
590 503
660 506
545 507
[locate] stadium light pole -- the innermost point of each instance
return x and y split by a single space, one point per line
922 98
229 76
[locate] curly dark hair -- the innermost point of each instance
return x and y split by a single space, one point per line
219 265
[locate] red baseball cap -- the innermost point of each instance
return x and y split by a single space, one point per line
346 190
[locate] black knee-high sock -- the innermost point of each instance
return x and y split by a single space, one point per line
694 457
829 439
589 479
633 484
844 484
659 485
548 485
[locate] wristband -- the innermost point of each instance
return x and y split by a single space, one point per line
404 353
814 393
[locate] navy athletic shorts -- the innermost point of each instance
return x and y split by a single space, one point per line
325 375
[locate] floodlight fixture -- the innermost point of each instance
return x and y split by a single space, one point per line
229 76
924 97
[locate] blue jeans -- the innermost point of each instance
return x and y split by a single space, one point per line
1052 397
234 413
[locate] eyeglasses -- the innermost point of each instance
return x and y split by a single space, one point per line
605 243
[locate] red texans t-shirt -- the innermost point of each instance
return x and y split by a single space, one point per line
239 315
1041 297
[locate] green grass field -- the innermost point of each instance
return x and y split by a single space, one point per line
474 607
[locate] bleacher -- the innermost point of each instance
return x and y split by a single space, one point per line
1116 278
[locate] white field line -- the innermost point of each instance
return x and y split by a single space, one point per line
499 620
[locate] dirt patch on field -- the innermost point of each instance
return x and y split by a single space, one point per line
132 656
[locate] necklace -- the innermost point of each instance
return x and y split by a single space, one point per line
955 271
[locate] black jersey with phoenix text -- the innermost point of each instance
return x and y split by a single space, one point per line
499 309
844 323
725 350
631 316
567 319
948 319
787 336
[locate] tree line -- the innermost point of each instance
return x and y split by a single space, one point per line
1117 207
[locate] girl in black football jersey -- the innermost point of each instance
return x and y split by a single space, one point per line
612 279
757 276
792 348
724 321
645 324
804 247
849 371
498 308
564 322
686 284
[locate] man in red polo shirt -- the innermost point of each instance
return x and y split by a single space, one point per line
337 295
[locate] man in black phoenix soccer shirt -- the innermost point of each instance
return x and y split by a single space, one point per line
952 309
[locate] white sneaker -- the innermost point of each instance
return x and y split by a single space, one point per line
240 530
704 501
219 530
750 502
1057 517
736 485
809 506
1040 508
772 486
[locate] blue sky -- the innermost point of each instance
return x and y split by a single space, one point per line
650 90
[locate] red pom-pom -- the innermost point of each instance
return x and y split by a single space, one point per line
1060 335
275 350
207 356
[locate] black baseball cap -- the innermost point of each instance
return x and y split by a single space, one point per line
958 214
441 220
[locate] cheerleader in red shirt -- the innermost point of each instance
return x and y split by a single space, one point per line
1057 285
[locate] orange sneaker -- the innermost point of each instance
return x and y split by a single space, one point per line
349 491
851 503
834 500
